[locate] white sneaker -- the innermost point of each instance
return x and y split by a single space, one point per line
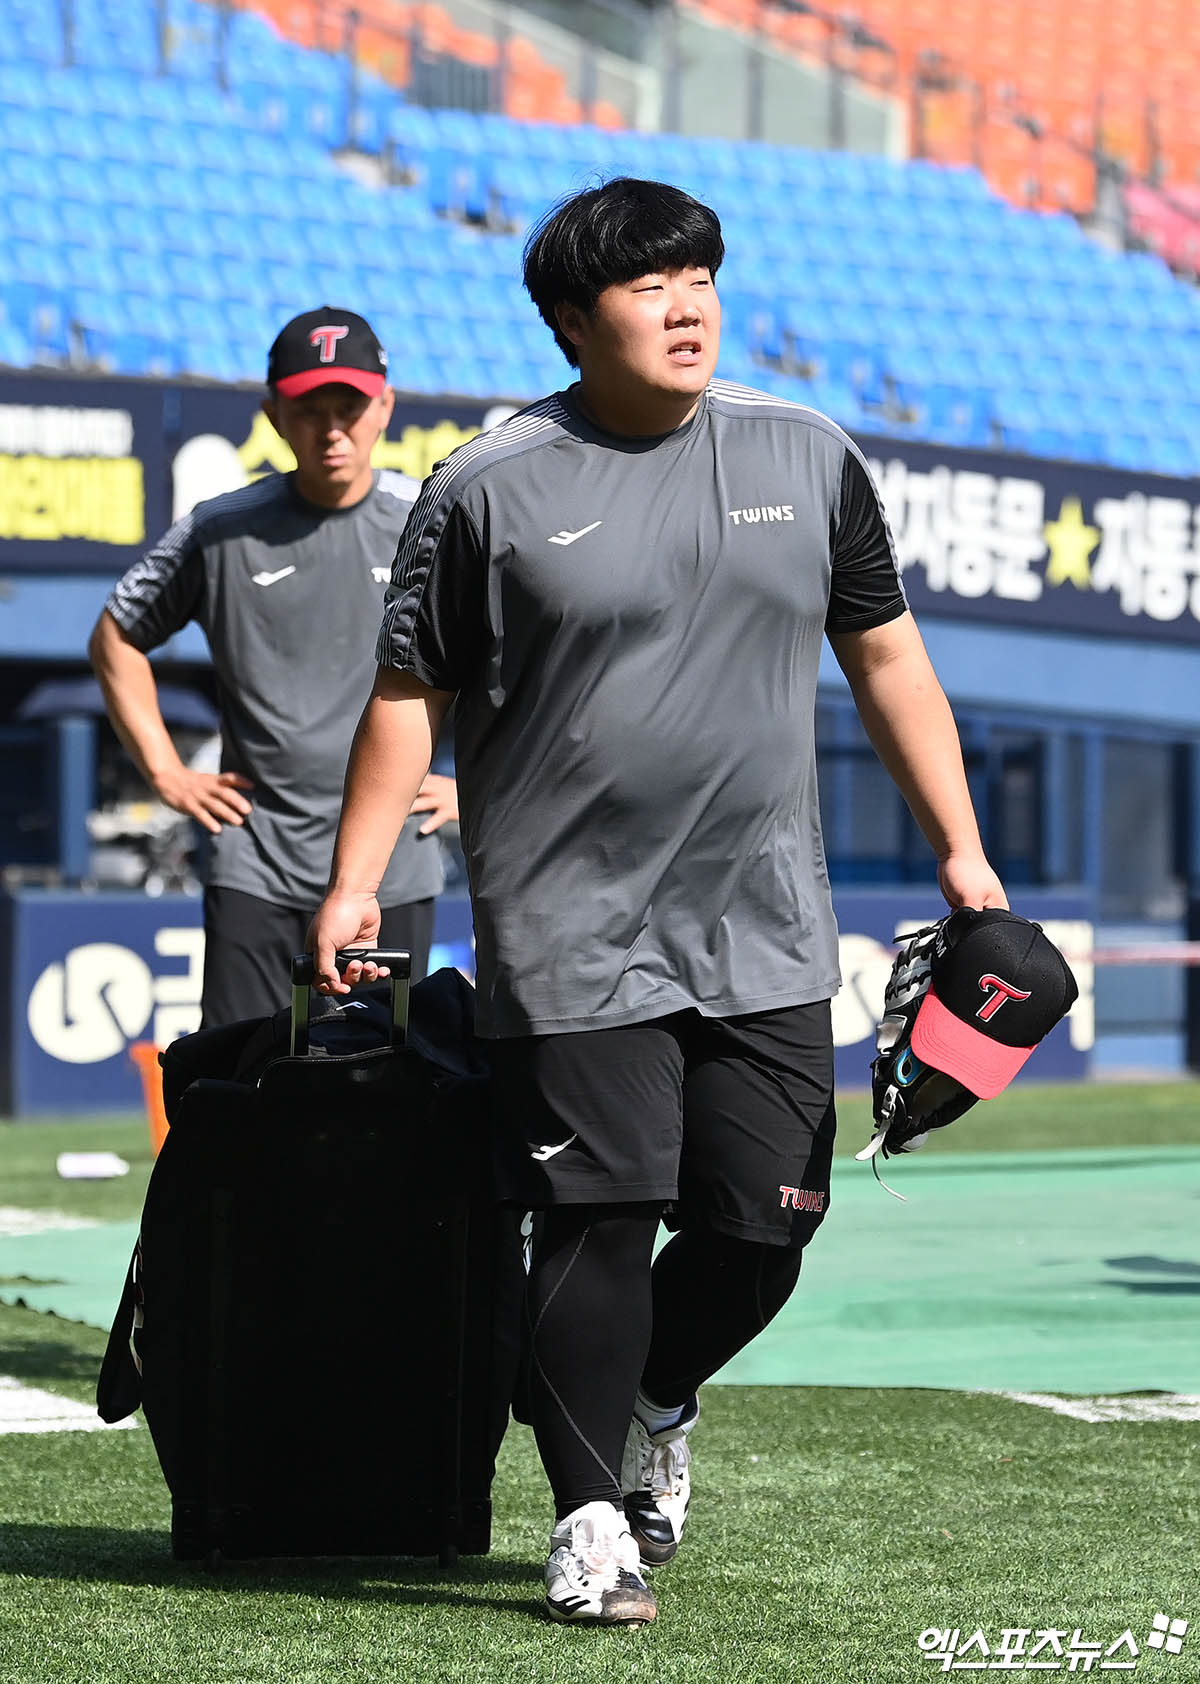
656 1485
592 1573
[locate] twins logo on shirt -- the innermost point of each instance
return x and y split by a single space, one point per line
765 512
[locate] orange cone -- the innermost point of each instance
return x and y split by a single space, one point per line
145 1055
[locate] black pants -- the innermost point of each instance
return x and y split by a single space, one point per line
601 1322
249 944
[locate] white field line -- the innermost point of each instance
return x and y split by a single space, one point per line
25 1409
16 1222
1164 1406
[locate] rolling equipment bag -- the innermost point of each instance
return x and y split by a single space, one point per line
322 1314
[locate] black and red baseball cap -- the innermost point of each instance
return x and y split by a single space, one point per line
998 985
323 347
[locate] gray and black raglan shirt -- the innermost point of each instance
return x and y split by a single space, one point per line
634 628
289 596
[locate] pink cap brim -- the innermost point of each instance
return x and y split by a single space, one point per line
983 1066
295 385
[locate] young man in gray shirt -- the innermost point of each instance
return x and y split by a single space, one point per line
626 587
286 576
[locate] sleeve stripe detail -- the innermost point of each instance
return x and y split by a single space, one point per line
727 391
271 488
737 393
143 581
429 512
141 584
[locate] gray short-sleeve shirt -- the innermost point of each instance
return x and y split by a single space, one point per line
289 597
634 628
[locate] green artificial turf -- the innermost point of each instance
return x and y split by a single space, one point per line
1029 1117
1035 1116
829 1529
29 1178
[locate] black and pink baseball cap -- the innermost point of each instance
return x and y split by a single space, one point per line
998 985
326 347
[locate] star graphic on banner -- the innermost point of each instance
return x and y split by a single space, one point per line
1071 542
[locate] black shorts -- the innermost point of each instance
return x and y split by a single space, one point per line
728 1121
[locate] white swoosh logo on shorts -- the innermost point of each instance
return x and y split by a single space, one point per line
544 1152
272 578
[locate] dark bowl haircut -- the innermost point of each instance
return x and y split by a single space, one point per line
608 235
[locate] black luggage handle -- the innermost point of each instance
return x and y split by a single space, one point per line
398 961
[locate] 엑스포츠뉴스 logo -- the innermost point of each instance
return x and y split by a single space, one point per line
1048 1648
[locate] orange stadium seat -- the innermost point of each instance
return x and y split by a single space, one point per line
606 115
384 51
383 36
474 48
1131 65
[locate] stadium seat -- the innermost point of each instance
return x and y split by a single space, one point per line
173 191
26 174
15 348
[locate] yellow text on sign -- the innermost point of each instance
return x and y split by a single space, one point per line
46 498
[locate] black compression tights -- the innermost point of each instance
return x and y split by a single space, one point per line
712 1296
588 1308
598 1328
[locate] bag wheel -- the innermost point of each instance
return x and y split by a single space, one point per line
448 1555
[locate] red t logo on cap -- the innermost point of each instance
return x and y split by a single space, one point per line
1001 991
327 338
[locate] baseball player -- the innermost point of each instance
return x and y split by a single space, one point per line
626 587
286 576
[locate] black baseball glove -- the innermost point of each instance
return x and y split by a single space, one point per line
909 1098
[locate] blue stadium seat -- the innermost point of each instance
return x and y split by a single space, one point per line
39 36
28 174
23 87
25 132
1177 453
368 124
39 314
190 279
15 349
214 359
183 146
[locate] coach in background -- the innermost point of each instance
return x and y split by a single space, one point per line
626 587
287 577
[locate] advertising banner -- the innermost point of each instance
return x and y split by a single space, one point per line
81 472
85 976
222 440
1042 545
92 470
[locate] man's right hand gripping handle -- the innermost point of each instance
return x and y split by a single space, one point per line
343 920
